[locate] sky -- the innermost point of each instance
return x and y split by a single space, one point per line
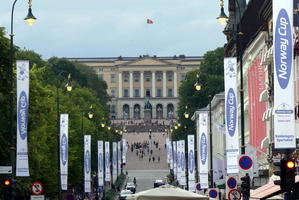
112 28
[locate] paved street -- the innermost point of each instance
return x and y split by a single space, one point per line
145 171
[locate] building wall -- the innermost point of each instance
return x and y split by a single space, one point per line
131 79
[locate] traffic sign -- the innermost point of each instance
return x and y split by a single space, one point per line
5 169
213 193
231 183
37 197
245 162
37 188
234 195
198 187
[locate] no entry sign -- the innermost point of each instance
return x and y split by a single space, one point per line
37 188
234 195
245 162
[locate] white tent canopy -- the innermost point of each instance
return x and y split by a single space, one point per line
166 192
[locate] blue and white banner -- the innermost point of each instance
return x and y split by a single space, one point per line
231 115
64 120
170 154
183 163
100 163
167 151
203 150
174 159
114 161
107 162
191 164
124 151
118 158
87 163
284 121
22 168
178 160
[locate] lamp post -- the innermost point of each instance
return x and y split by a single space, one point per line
30 18
69 88
238 32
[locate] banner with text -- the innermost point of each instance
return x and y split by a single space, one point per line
107 162
183 164
64 137
87 163
174 158
167 151
231 115
114 161
170 154
124 151
284 121
191 164
22 168
178 160
118 158
100 163
203 150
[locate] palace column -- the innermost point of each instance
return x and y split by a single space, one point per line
175 84
164 83
141 84
120 85
153 84
131 85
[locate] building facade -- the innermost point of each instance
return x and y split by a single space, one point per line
133 81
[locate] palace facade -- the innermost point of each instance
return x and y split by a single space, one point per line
132 81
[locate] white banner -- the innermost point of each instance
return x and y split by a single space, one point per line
107 162
114 161
284 121
203 150
183 164
167 151
124 151
170 154
118 158
64 137
22 168
174 159
87 163
191 164
178 161
100 163
231 115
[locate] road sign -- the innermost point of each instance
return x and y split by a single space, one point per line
5 169
37 188
231 183
213 193
234 195
37 197
245 162
198 187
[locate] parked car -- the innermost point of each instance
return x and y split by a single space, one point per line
124 194
158 183
131 186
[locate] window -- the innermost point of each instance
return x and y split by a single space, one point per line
147 77
136 92
112 108
126 92
126 77
148 92
169 76
169 92
136 77
182 77
159 92
113 91
159 77
112 78
100 76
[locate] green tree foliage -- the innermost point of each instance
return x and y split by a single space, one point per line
46 78
211 78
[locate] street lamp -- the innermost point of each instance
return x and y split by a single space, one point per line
186 113
30 19
197 85
222 19
11 94
90 113
68 86
238 33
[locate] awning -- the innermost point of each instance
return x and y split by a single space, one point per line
267 190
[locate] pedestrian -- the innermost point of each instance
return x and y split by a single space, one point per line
158 158
153 158
149 159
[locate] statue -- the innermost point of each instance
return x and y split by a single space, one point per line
147 105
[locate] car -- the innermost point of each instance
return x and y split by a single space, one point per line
158 183
131 186
124 194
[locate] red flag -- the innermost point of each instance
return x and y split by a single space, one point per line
149 21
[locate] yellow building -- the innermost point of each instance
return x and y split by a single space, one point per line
131 80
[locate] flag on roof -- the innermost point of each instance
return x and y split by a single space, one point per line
149 21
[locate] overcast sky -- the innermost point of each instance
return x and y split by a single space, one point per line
110 28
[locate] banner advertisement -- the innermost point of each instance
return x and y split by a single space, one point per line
167 150
174 159
178 161
124 151
118 158
100 163
170 154
64 118
87 163
203 150
191 164
114 161
183 164
284 121
22 165
231 115
107 162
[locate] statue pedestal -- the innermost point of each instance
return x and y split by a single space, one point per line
147 116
